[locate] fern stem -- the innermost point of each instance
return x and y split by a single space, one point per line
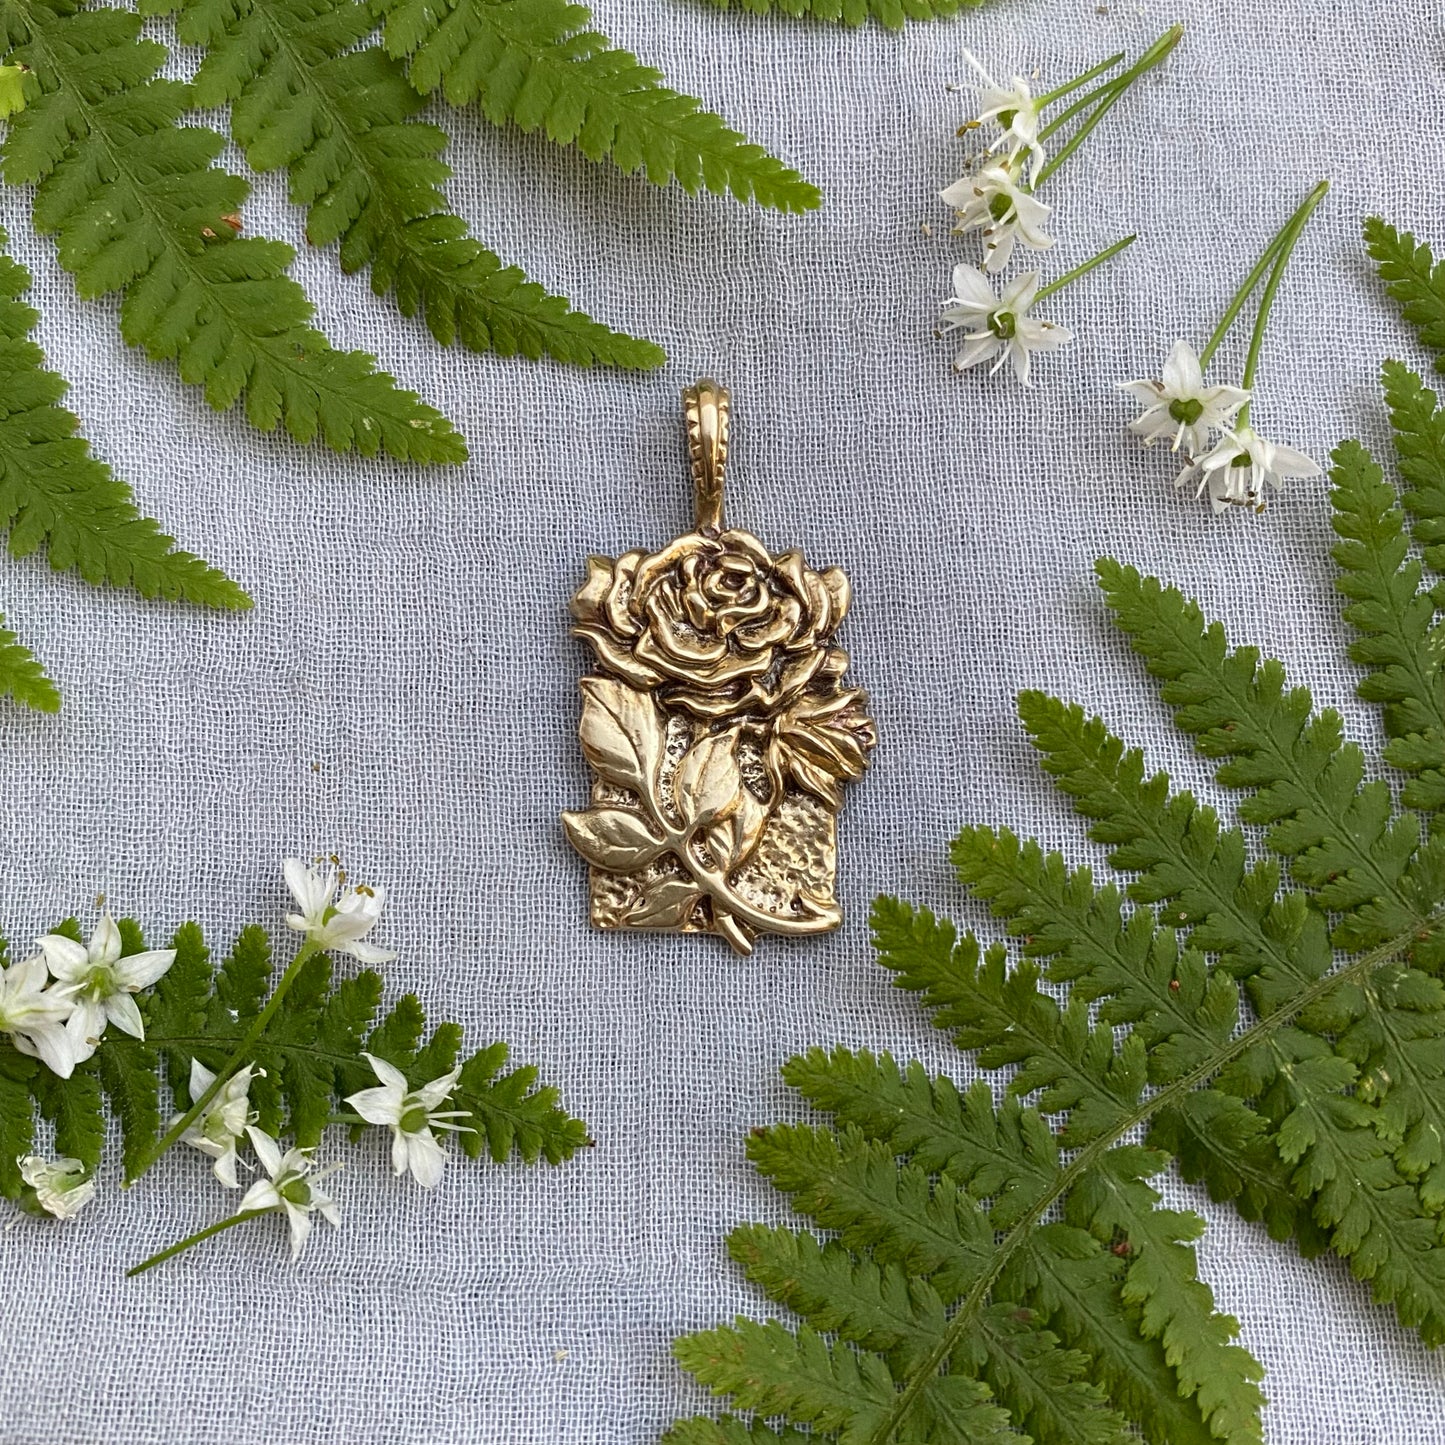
1113 93
182 1245
1271 251
1084 267
967 1314
1288 240
239 1056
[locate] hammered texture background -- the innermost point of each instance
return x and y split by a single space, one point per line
405 692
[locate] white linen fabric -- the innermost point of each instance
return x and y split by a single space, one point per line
405 692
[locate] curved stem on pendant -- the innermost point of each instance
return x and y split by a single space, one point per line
714 883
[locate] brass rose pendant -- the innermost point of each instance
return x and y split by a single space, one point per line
717 725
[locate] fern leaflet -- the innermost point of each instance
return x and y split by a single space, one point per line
534 62
893 14
139 208
341 121
55 494
22 677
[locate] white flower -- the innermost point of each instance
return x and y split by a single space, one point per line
991 200
61 1187
35 1016
411 1115
1000 326
219 1127
99 982
1014 110
292 1187
1181 408
335 924
1236 470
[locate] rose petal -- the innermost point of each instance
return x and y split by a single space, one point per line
746 545
618 607
586 605
840 594
780 627
618 660
682 647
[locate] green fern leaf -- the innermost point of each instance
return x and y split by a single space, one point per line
311 1049
1200 1000
341 121
1305 783
509 1112
893 14
17 1116
55 494
22 677
74 1106
1399 641
534 62
12 91
1419 425
138 208
1414 279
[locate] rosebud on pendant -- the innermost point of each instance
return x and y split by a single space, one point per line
717 726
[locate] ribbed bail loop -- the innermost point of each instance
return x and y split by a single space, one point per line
706 407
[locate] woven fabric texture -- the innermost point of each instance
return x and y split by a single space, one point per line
405 693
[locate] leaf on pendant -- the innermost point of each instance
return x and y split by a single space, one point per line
709 783
736 837
613 838
621 734
667 904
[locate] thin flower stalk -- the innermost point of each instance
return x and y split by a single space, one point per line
199 1237
328 923
1105 99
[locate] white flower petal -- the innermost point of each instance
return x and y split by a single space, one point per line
432 1094
268 1151
140 970
261 1195
400 1152
378 1106
972 288
201 1079
121 1010
105 942
389 1074
426 1157
300 1221
368 953
64 957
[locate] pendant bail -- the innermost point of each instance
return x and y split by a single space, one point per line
706 406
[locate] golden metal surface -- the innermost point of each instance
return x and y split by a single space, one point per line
717 724
706 408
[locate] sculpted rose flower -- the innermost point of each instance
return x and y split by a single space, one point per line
717 624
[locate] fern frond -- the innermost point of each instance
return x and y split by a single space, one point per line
139 209
1306 784
311 1051
55 494
534 63
1199 1000
1399 641
341 121
22 677
1414 279
893 14
1419 425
